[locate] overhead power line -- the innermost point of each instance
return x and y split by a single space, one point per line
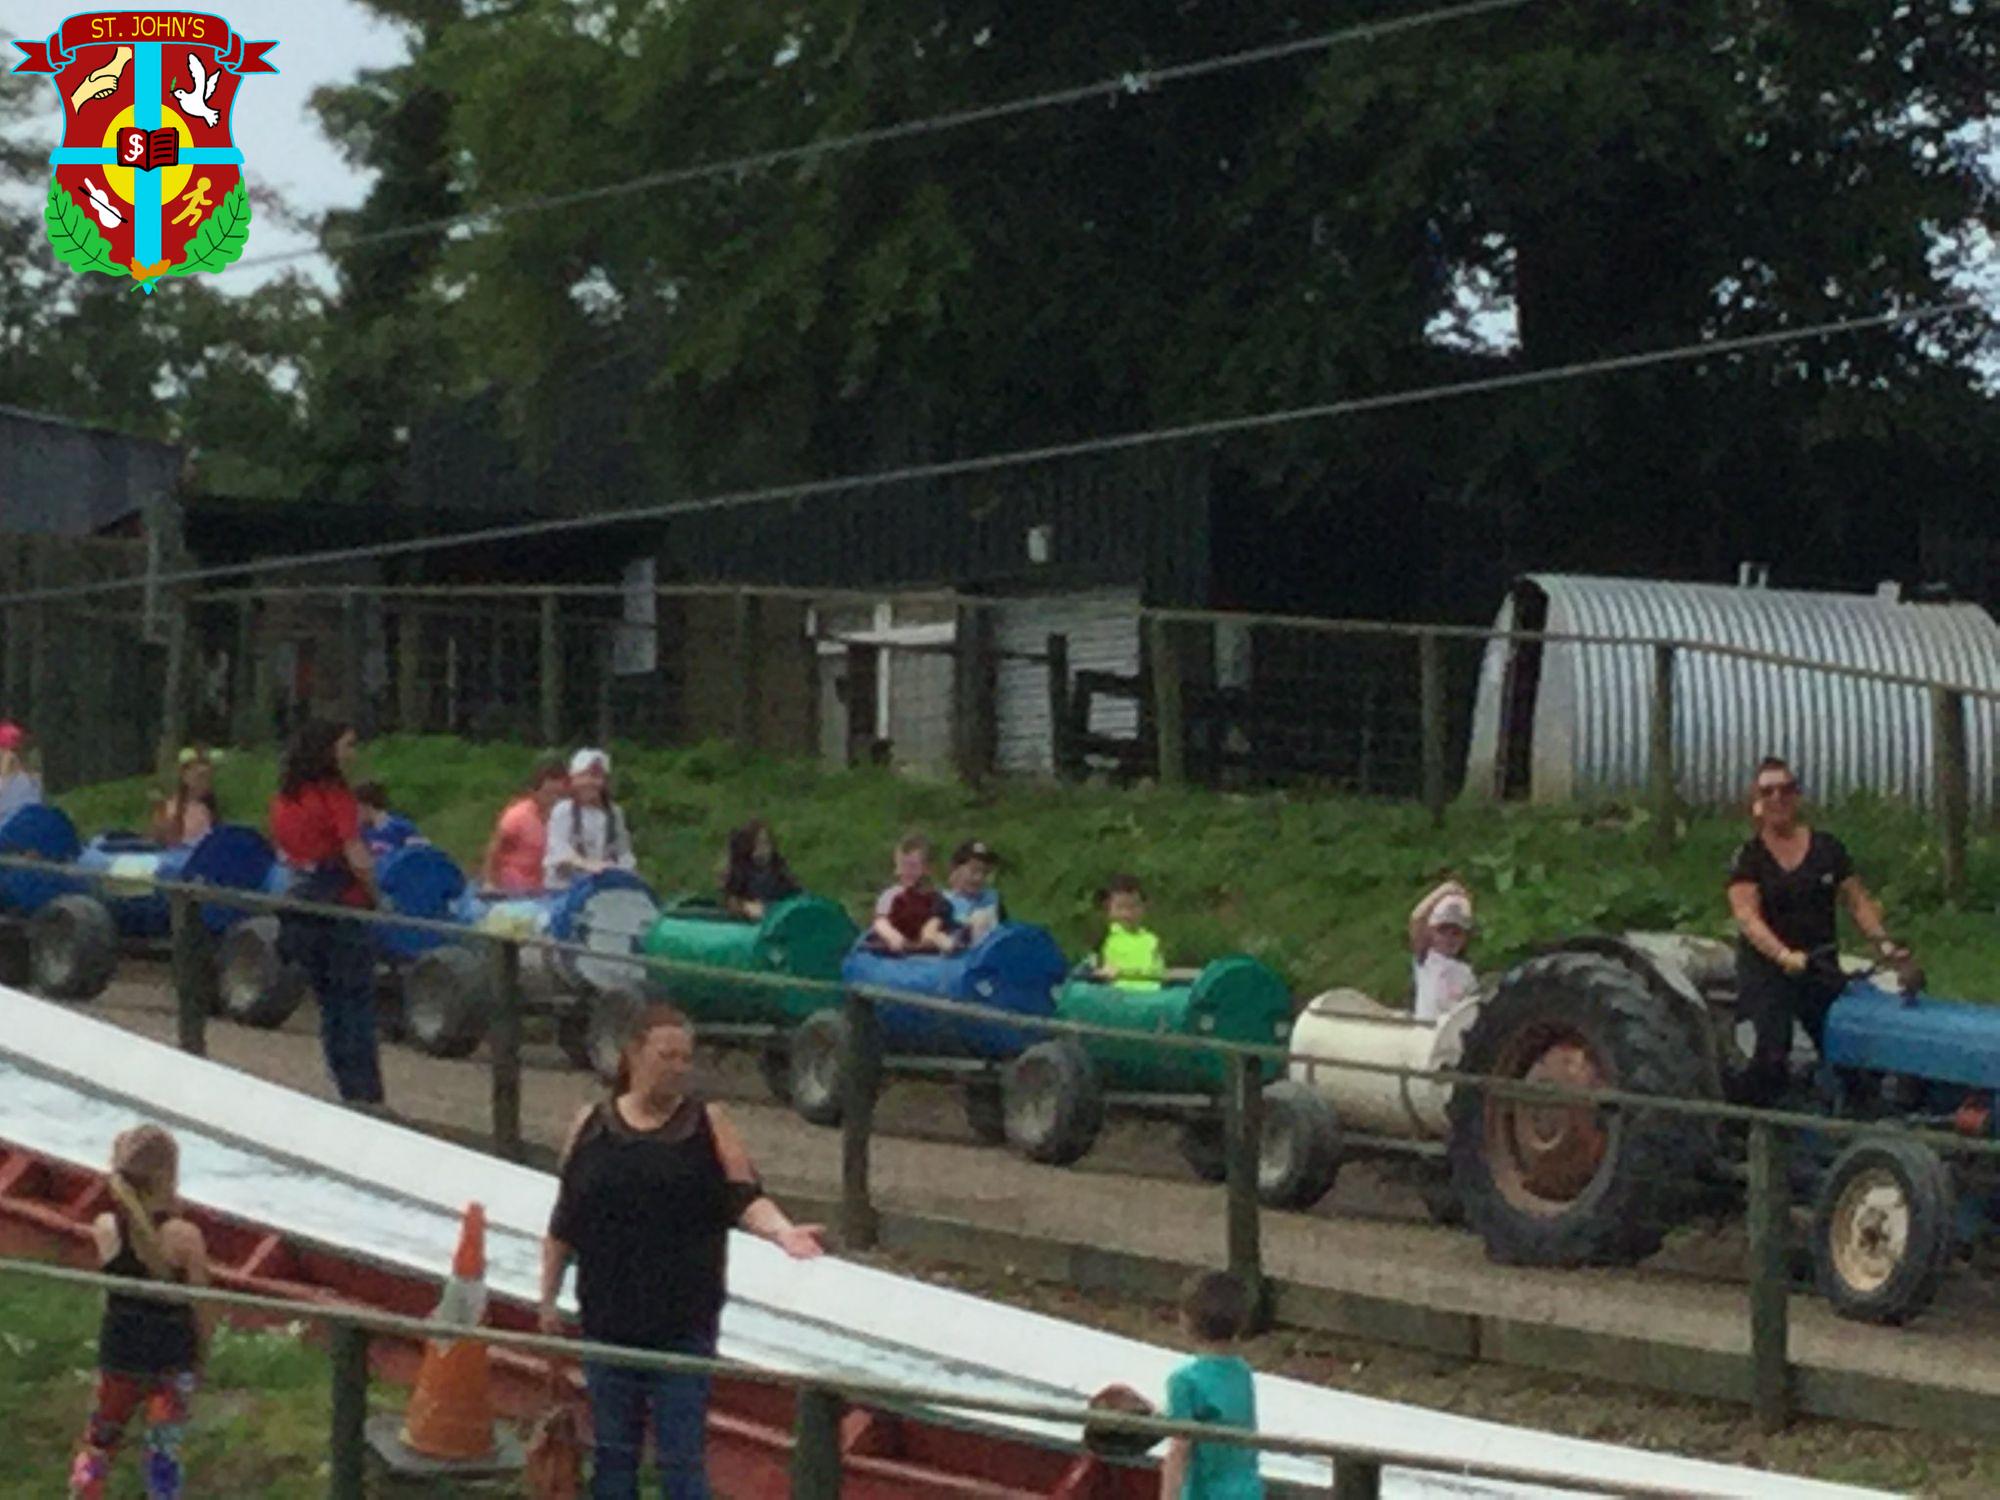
1018 457
1131 83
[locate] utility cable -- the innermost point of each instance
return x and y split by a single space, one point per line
1016 457
1129 83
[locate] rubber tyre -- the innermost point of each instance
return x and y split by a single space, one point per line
254 986
820 1047
446 1003
1299 1155
1922 1189
1441 1200
1205 1149
14 972
986 1112
1638 1172
72 948
1053 1103
774 1064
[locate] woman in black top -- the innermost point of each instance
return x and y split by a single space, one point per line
147 1351
755 877
653 1180
1782 886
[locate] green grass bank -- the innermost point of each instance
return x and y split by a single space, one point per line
1318 886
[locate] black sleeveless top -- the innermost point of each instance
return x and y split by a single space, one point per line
140 1335
648 1213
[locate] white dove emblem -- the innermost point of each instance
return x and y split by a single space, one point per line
195 100
101 205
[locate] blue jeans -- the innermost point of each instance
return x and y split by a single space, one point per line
340 965
619 1399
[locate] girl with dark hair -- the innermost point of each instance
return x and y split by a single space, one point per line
653 1180
756 877
148 1350
316 825
188 813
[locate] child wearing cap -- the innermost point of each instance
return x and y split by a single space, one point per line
587 831
911 916
1131 955
1440 931
975 906
19 787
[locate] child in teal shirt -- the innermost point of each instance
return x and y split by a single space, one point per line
1216 1387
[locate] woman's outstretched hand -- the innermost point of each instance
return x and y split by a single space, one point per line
802 1241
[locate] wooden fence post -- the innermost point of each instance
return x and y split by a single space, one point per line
263 682
1059 740
1430 673
1952 785
1664 803
607 665
505 1041
748 617
1356 1479
552 669
974 684
243 680
410 670
193 974
1168 724
354 651
1770 1280
347 1475
860 1082
1243 1138
816 1445
174 688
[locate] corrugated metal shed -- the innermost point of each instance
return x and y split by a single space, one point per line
1558 722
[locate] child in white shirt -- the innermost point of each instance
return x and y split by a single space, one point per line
1440 931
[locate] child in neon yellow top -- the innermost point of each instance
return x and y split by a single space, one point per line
1131 955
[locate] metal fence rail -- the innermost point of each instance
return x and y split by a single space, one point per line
817 1462
1767 1130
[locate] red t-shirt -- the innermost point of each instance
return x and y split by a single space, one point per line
312 832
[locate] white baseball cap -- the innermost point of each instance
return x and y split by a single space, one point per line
589 759
1452 911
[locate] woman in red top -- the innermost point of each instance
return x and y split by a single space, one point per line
316 825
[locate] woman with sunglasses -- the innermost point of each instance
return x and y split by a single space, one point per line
1782 887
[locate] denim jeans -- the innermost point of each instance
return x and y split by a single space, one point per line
340 965
619 1402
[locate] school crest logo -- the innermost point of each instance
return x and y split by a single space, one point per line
147 182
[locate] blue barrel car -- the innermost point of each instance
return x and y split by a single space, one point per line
446 982
1016 967
75 925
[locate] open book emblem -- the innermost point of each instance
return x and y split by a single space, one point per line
148 182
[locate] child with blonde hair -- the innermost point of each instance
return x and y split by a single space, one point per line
147 1350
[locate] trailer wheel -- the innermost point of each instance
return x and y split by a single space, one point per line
14 970
254 985
1883 1230
986 1112
446 1003
774 1062
819 1051
1559 1185
591 1030
1053 1104
1299 1155
72 948
1204 1148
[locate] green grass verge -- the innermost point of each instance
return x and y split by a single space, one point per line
260 1421
1318 886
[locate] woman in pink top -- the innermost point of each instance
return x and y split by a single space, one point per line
520 838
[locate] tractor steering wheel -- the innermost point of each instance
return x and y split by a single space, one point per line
1824 963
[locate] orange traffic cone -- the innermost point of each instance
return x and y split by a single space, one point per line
451 1412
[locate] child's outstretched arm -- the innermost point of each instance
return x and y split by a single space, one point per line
1174 1468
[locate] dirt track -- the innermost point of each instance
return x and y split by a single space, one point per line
1134 1194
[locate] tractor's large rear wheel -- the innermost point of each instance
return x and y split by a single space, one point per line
1567 1185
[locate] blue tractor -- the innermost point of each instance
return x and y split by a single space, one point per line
1556 1185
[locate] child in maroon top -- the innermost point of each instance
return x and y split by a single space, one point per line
912 916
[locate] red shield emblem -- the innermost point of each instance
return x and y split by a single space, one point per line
148 181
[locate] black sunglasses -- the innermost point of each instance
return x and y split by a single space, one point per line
1777 788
